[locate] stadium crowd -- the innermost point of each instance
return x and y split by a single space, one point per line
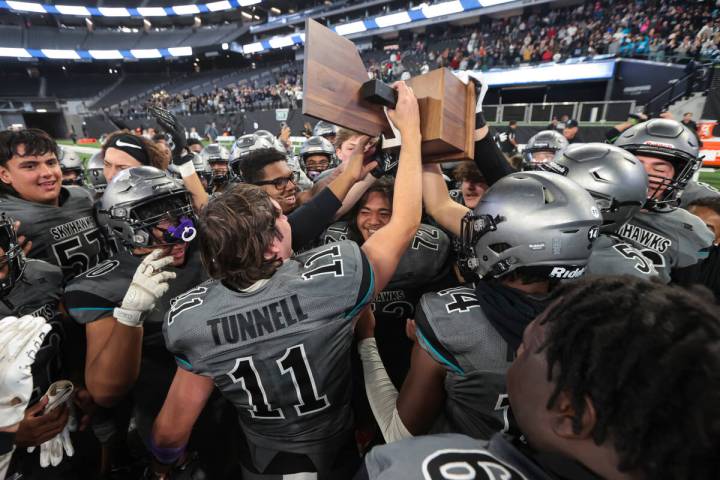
659 31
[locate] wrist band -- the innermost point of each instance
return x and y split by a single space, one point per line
131 318
7 442
186 169
166 456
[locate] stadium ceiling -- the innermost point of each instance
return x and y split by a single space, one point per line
136 12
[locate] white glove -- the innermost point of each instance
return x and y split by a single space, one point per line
20 339
481 86
51 452
148 284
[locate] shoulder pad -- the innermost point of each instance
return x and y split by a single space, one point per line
425 260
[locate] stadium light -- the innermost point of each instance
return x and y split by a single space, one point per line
73 10
26 6
152 11
146 53
225 46
180 51
105 54
280 42
114 11
219 6
440 9
186 9
253 47
14 52
60 54
348 28
41 110
393 19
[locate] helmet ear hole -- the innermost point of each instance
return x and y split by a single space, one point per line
499 247
548 196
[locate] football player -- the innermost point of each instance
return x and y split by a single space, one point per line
274 332
122 301
317 154
71 167
672 238
422 268
471 184
542 148
529 231
219 159
96 174
204 171
326 130
618 183
59 220
601 388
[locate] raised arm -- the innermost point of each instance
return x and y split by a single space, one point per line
436 199
385 247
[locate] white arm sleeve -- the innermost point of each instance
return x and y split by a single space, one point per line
381 392
5 463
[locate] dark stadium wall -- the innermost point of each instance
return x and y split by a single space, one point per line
640 80
52 123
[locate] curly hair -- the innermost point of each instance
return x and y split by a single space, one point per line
157 158
235 229
648 357
36 142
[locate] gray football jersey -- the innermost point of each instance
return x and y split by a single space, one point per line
110 281
66 236
38 292
280 350
696 190
451 456
673 239
453 329
612 256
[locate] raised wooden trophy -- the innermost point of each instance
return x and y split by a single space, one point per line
336 89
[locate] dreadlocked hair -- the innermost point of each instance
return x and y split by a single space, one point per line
235 229
648 357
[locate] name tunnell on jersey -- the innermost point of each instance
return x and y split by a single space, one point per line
645 238
257 322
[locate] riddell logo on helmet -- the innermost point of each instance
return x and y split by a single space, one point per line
658 144
567 273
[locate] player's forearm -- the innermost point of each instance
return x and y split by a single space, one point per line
382 394
437 201
113 371
352 197
197 192
407 197
342 184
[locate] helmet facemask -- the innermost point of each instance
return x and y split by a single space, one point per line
12 260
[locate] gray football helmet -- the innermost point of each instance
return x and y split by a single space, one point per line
95 173
614 177
138 199
668 140
70 162
273 139
545 141
539 221
317 146
214 154
324 129
12 255
203 168
250 146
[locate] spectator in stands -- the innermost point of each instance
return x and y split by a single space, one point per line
571 131
193 134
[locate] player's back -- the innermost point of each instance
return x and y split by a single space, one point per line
280 350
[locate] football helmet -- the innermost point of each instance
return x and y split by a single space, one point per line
324 129
317 146
667 140
215 154
71 162
12 260
95 173
203 168
253 146
539 221
614 177
549 141
138 199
